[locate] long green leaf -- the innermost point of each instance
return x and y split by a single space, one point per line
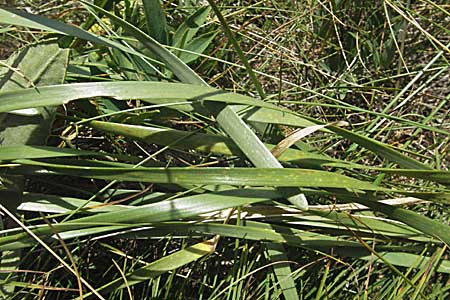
282 270
208 143
283 118
227 176
325 220
155 20
166 210
30 152
381 149
158 92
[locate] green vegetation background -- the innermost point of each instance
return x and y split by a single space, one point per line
224 149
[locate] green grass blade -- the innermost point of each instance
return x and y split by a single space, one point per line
381 149
235 44
155 20
196 47
189 28
282 271
33 152
55 204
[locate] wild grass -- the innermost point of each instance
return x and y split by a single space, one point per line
224 150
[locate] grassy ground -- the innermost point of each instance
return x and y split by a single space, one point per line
152 189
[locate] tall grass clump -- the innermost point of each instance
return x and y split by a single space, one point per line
224 150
